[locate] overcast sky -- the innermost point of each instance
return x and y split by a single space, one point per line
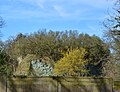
28 16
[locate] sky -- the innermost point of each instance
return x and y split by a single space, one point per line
29 16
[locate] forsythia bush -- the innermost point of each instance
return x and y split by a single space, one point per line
73 63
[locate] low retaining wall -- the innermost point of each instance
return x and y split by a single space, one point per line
57 84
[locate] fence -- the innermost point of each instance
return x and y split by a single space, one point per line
56 84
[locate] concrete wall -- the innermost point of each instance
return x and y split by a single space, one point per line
58 84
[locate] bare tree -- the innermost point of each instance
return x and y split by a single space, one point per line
112 25
1 22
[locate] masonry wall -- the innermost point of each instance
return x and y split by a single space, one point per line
56 84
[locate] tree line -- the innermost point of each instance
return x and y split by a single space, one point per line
56 45
69 52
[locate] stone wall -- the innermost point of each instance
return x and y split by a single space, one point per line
58 84
3 83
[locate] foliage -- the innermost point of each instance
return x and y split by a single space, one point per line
112 24
97 53
73 63
16 47
5 64
55 44
110 68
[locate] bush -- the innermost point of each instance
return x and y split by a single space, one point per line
73 63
